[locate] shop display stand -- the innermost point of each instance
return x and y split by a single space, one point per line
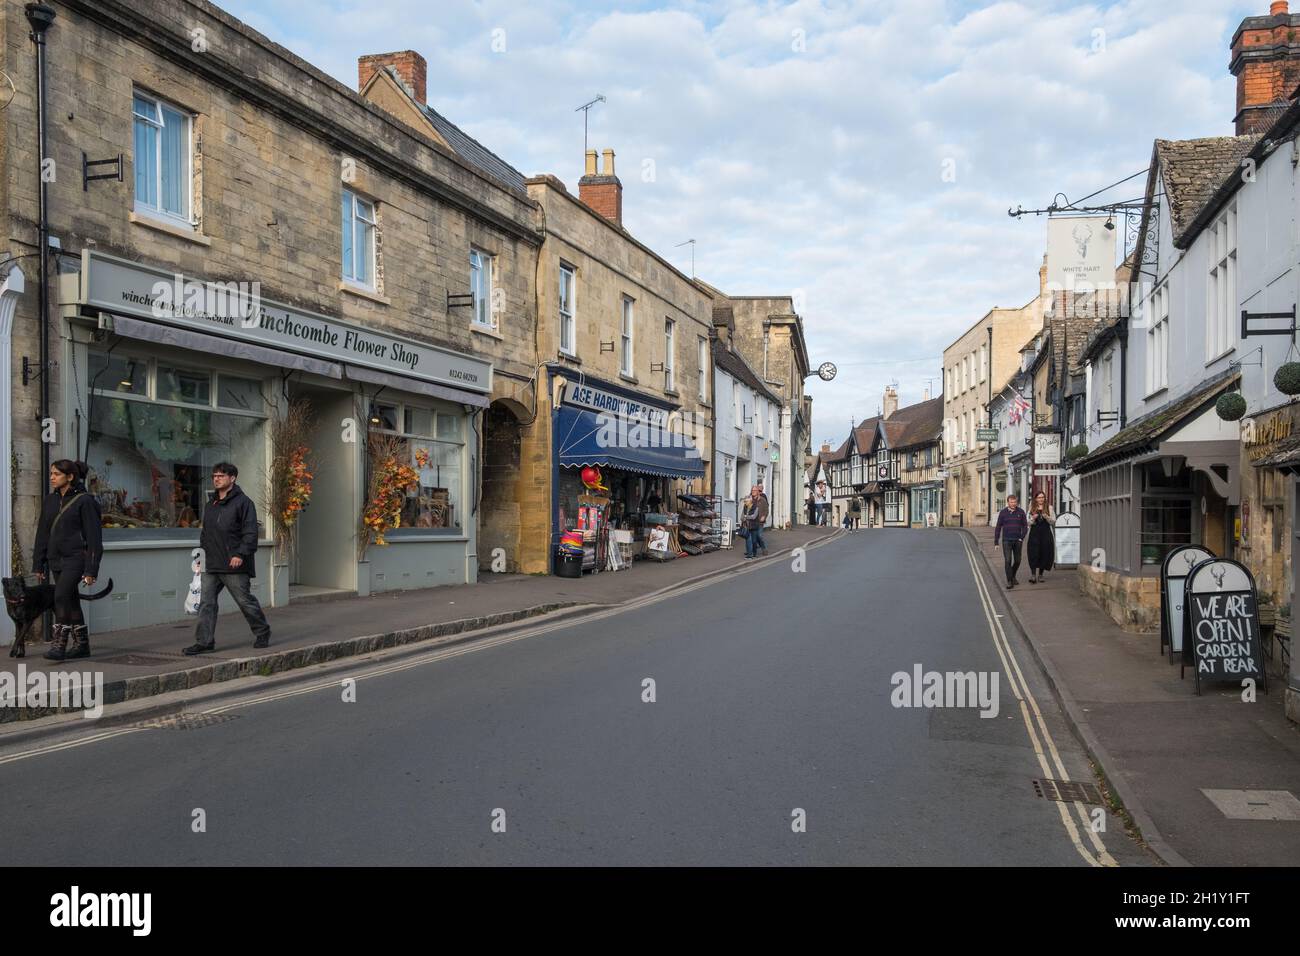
700 523
669 523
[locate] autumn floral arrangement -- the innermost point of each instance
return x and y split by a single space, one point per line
292 470
391 480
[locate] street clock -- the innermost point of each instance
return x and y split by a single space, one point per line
826 371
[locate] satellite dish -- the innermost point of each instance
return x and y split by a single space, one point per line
826 371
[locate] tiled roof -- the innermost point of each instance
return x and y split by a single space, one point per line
735 366
1193 169
474 152
865 434
1152 427
1285 454
915 424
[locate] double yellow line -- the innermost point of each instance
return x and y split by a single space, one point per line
1033 717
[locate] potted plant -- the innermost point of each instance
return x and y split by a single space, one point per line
1267 610
1231 406
1287 378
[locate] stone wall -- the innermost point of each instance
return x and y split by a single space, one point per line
1132 603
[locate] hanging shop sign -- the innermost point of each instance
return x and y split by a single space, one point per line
1047 448
1177 565
1222 624
237 310
1261 435
986 434
1080 253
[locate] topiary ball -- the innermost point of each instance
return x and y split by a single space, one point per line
1231 406
1076 452
1287 378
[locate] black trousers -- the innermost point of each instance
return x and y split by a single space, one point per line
67 604
1011 558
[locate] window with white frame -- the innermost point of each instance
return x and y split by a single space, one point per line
1158 340
625 339
1221 291
480 285
162 158
1107 396
984 363
358 221
702 360
729 477
156 427
432 443
670 334
568 331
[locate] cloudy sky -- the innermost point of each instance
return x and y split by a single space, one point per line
859 155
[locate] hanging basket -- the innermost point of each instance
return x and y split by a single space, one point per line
1075 452
1287 378
1231 406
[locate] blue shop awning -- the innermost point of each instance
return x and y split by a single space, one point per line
584 438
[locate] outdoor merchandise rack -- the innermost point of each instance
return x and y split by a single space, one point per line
699 523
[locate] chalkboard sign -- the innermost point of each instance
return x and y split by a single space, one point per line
1177 565
1222 624
1067 539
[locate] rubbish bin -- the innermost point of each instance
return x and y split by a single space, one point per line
568 565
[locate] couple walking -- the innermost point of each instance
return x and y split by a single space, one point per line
753 516
70 546
1014 526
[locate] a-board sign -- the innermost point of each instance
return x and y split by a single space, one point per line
1067 538
1177 565
1222 624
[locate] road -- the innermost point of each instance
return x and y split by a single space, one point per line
772 739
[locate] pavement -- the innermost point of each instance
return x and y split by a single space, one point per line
748 719
1159 744
144 662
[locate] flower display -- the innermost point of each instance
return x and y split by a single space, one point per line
298 486
392 481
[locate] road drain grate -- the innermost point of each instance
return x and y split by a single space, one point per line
1068 791
186 721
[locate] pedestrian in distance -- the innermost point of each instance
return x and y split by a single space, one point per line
1011 529
749 509
1040 547
69 544
823 502
767 510
855 513
229 544
812 508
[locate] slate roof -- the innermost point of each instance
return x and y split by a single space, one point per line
735 366
474 152
1193 169
1285 454
918 424
865 434
1144 433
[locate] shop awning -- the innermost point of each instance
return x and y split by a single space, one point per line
358 373
578 440
216 345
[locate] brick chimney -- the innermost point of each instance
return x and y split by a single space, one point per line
410 67
603 192
724 323
1266 63
889 405
826 448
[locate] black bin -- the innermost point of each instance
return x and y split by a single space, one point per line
568 565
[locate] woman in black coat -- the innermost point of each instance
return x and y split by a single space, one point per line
69 543
1041 548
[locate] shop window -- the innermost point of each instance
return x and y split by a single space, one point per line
1166 523
358 222
154 435
433 444
244 394
161 158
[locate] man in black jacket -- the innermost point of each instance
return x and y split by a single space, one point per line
229 544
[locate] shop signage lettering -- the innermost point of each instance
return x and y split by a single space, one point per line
588 396
1259 438
225 309
1222 623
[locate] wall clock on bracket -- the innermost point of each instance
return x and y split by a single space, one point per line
826 371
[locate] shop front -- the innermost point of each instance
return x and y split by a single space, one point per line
926 502
169 375
627 484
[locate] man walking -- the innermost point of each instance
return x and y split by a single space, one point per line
823 501
855 512
229 544
1012 526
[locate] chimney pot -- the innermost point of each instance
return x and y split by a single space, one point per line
608 167
602 191
591 163
1278 8
1266 63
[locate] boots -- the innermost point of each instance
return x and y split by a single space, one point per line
58 643
80 637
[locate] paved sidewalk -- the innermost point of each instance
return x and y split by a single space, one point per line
146 661
1158 743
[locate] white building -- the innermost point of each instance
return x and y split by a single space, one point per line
747 434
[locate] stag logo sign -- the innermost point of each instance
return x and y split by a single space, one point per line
1080 253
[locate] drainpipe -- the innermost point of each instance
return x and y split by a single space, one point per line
1122 332
988 421
40 17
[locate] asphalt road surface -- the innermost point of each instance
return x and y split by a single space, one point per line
772 739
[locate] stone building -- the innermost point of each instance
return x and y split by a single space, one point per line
971 378
336 230
623 338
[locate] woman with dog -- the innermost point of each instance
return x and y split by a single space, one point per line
69 543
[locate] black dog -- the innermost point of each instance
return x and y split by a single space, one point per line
26 602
